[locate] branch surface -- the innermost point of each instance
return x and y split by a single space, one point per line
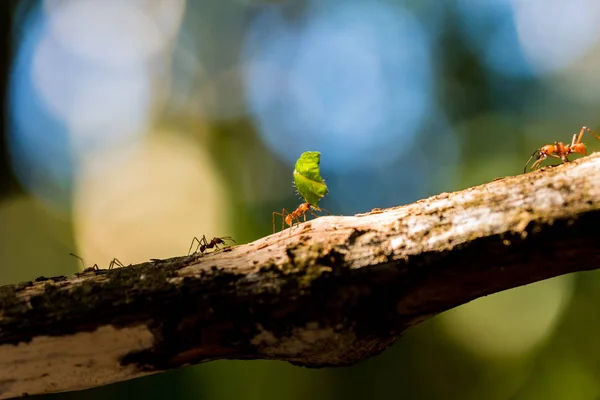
330 292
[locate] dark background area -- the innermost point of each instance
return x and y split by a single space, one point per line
128 127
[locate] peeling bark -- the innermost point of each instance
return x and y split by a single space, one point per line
330 292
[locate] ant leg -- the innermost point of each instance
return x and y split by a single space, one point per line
92 268
203 244
543 156
538 161
317 209
546 155
282 214
583 129
554 155
298 220
273 220
295 221
590 131
214 242
194 240
115 261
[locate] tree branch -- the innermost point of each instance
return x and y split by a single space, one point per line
330 292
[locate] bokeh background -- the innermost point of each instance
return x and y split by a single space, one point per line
130 126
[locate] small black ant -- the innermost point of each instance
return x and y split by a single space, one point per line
560 150
115 261
290 217
204 244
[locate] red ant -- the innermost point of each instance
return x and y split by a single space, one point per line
560 150
204 244
115 261
290 217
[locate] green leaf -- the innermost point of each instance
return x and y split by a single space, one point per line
307 178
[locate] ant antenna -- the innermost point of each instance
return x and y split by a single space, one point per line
534 152
93 267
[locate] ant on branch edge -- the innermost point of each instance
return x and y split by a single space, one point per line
290 217
204 244
560 150
115 261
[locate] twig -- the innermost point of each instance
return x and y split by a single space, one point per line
334 292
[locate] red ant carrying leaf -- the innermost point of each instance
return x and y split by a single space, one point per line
311 187
560 150
204 244
290 217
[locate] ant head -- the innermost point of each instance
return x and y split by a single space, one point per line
579 148
538 155
547 149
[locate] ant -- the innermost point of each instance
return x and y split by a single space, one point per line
204 244
115 261
290 217
560 150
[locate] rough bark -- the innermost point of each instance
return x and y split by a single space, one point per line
330 292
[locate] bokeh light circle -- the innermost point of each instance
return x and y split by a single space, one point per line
152 206
510 323
352 79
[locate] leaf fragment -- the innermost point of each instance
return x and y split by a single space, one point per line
307 178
